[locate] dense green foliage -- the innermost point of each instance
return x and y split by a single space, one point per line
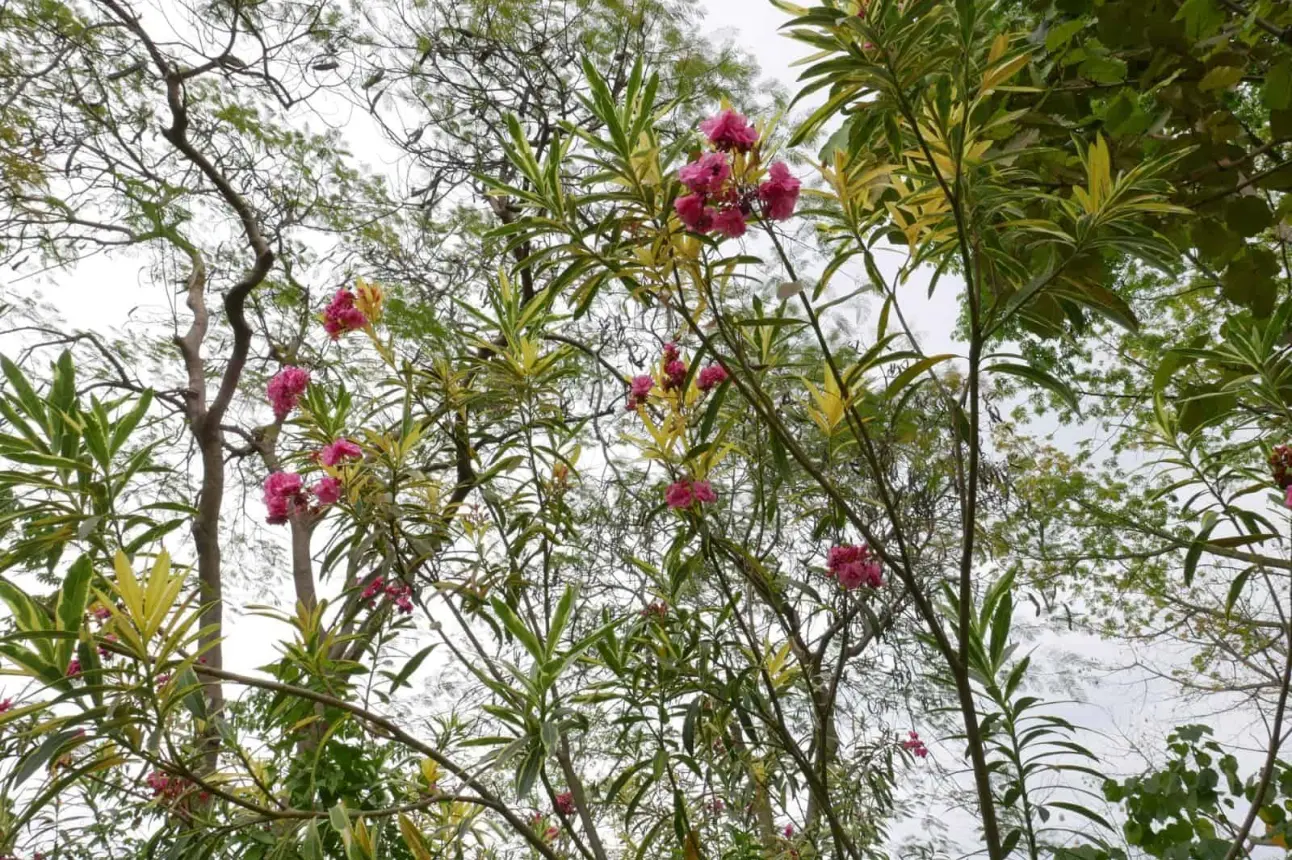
512 617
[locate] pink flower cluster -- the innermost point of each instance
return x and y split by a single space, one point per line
565 803
684 494
342 316
674 368
657 609
711 377
73 668
854 566
914 745
165 787
6 705
400 593
638 390
538 822
719 201
339 451
108 639
100 612
285 390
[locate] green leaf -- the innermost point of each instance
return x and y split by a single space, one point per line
1221 78
1236 590
564 608
410 667
74 594
1247 215
517 628
912 371
50 748
1277 91
1062 34
1043 379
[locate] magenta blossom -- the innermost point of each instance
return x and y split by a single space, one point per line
711 377
73 668
674 374
779 193
101 612
730 130
285 389
671 352
683 494
565 803
374 588
730 222
638 390
402 595
6 705
707 174
789 831
854 566
914 745
341 449
679 495
694 214
162 680
327 490
1287 500
283 496
342 316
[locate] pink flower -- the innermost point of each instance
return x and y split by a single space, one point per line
402 595
1287 500
707 174
854 566
342 316
374 588
694 214
703 492
101 612
730 222
565 803
779 193
551 833
283 496
641 386
327 490
789 831
679 495
674 374
162 680
285 390
6 705
914 745
670 352
730 130
711 377
103 649
683 494
341 449
73 668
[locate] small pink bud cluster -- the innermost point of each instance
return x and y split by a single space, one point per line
789 831
914 745
658 610
400 593
684 494
854 566
104 652
342 316
100 613
716 806
285 390
6 705
674 368
539 822
73 668
719 202
565 803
